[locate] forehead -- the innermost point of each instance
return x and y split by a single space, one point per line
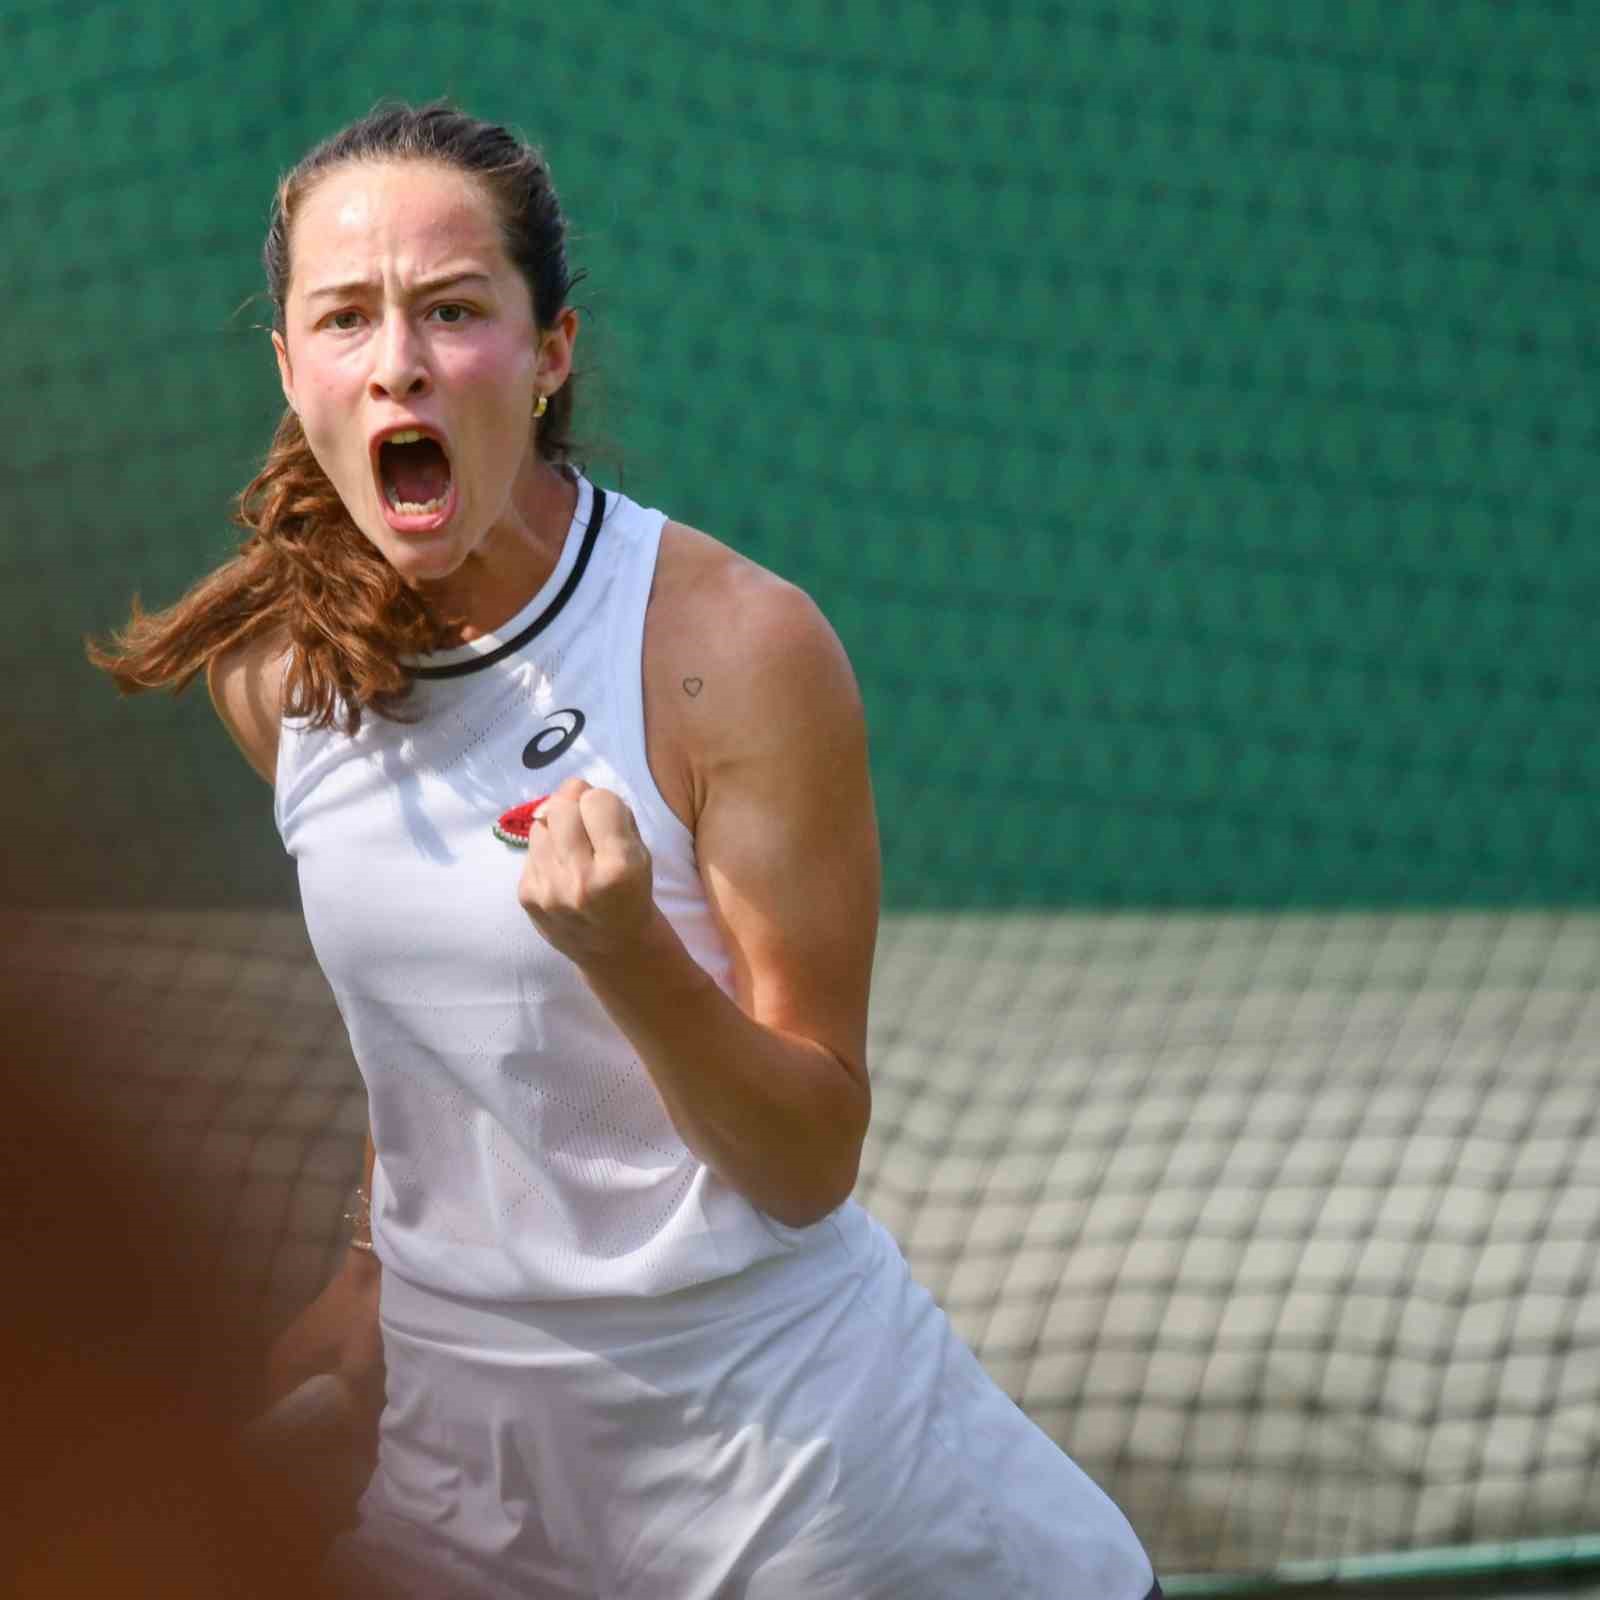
409 216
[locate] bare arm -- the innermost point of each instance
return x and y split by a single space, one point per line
338 1332
769 1088
246 685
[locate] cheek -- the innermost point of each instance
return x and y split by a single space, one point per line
330 423
331 445
499 360
496 371
501 386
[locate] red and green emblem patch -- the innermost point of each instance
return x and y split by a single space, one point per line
514 824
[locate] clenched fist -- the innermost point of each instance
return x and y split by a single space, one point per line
586 880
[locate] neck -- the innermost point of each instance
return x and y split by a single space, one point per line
515 559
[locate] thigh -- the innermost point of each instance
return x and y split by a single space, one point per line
477 1494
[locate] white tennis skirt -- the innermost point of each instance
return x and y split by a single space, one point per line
810 1428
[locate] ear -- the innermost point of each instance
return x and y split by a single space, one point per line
285 371
554 365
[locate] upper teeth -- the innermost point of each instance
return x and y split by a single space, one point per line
406 436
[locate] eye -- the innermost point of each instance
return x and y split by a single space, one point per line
346 321
451 314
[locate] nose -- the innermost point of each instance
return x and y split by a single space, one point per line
399 366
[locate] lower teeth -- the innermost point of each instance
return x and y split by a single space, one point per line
415 508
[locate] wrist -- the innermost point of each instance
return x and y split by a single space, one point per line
360 1267
358 1219
653 954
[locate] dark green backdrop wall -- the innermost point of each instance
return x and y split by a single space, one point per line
1186 410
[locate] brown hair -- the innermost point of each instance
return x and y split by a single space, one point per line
306 569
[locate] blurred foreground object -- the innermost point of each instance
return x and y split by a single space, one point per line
124 1359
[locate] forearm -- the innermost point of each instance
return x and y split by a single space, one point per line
777 1116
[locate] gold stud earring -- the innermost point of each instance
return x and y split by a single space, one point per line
543 405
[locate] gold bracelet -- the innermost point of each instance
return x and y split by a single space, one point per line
360 1219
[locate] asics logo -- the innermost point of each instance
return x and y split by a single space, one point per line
560 729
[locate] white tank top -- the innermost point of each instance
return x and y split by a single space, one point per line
523 1152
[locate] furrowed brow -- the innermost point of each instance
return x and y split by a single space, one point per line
339 291
449 280
424 286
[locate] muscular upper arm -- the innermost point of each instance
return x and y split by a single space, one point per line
773 742
246 685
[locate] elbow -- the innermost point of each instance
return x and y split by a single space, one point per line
811 1209
822 1197
827 1182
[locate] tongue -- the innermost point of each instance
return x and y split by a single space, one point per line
416 472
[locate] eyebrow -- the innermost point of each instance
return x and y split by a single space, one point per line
449 280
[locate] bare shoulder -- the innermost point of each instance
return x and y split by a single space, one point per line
759 714
737 660
246 685
713 608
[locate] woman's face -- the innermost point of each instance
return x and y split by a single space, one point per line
411 354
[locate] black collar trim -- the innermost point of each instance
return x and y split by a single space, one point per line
459 669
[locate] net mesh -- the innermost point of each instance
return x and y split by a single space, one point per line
1187 414
1285 1227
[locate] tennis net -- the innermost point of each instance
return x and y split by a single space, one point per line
1284 1226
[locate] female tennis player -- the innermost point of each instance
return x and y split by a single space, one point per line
636 1338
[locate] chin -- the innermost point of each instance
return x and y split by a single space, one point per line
426 570
419 557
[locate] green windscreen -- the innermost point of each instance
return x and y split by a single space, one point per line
1186 413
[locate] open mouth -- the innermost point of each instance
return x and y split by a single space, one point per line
414 472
